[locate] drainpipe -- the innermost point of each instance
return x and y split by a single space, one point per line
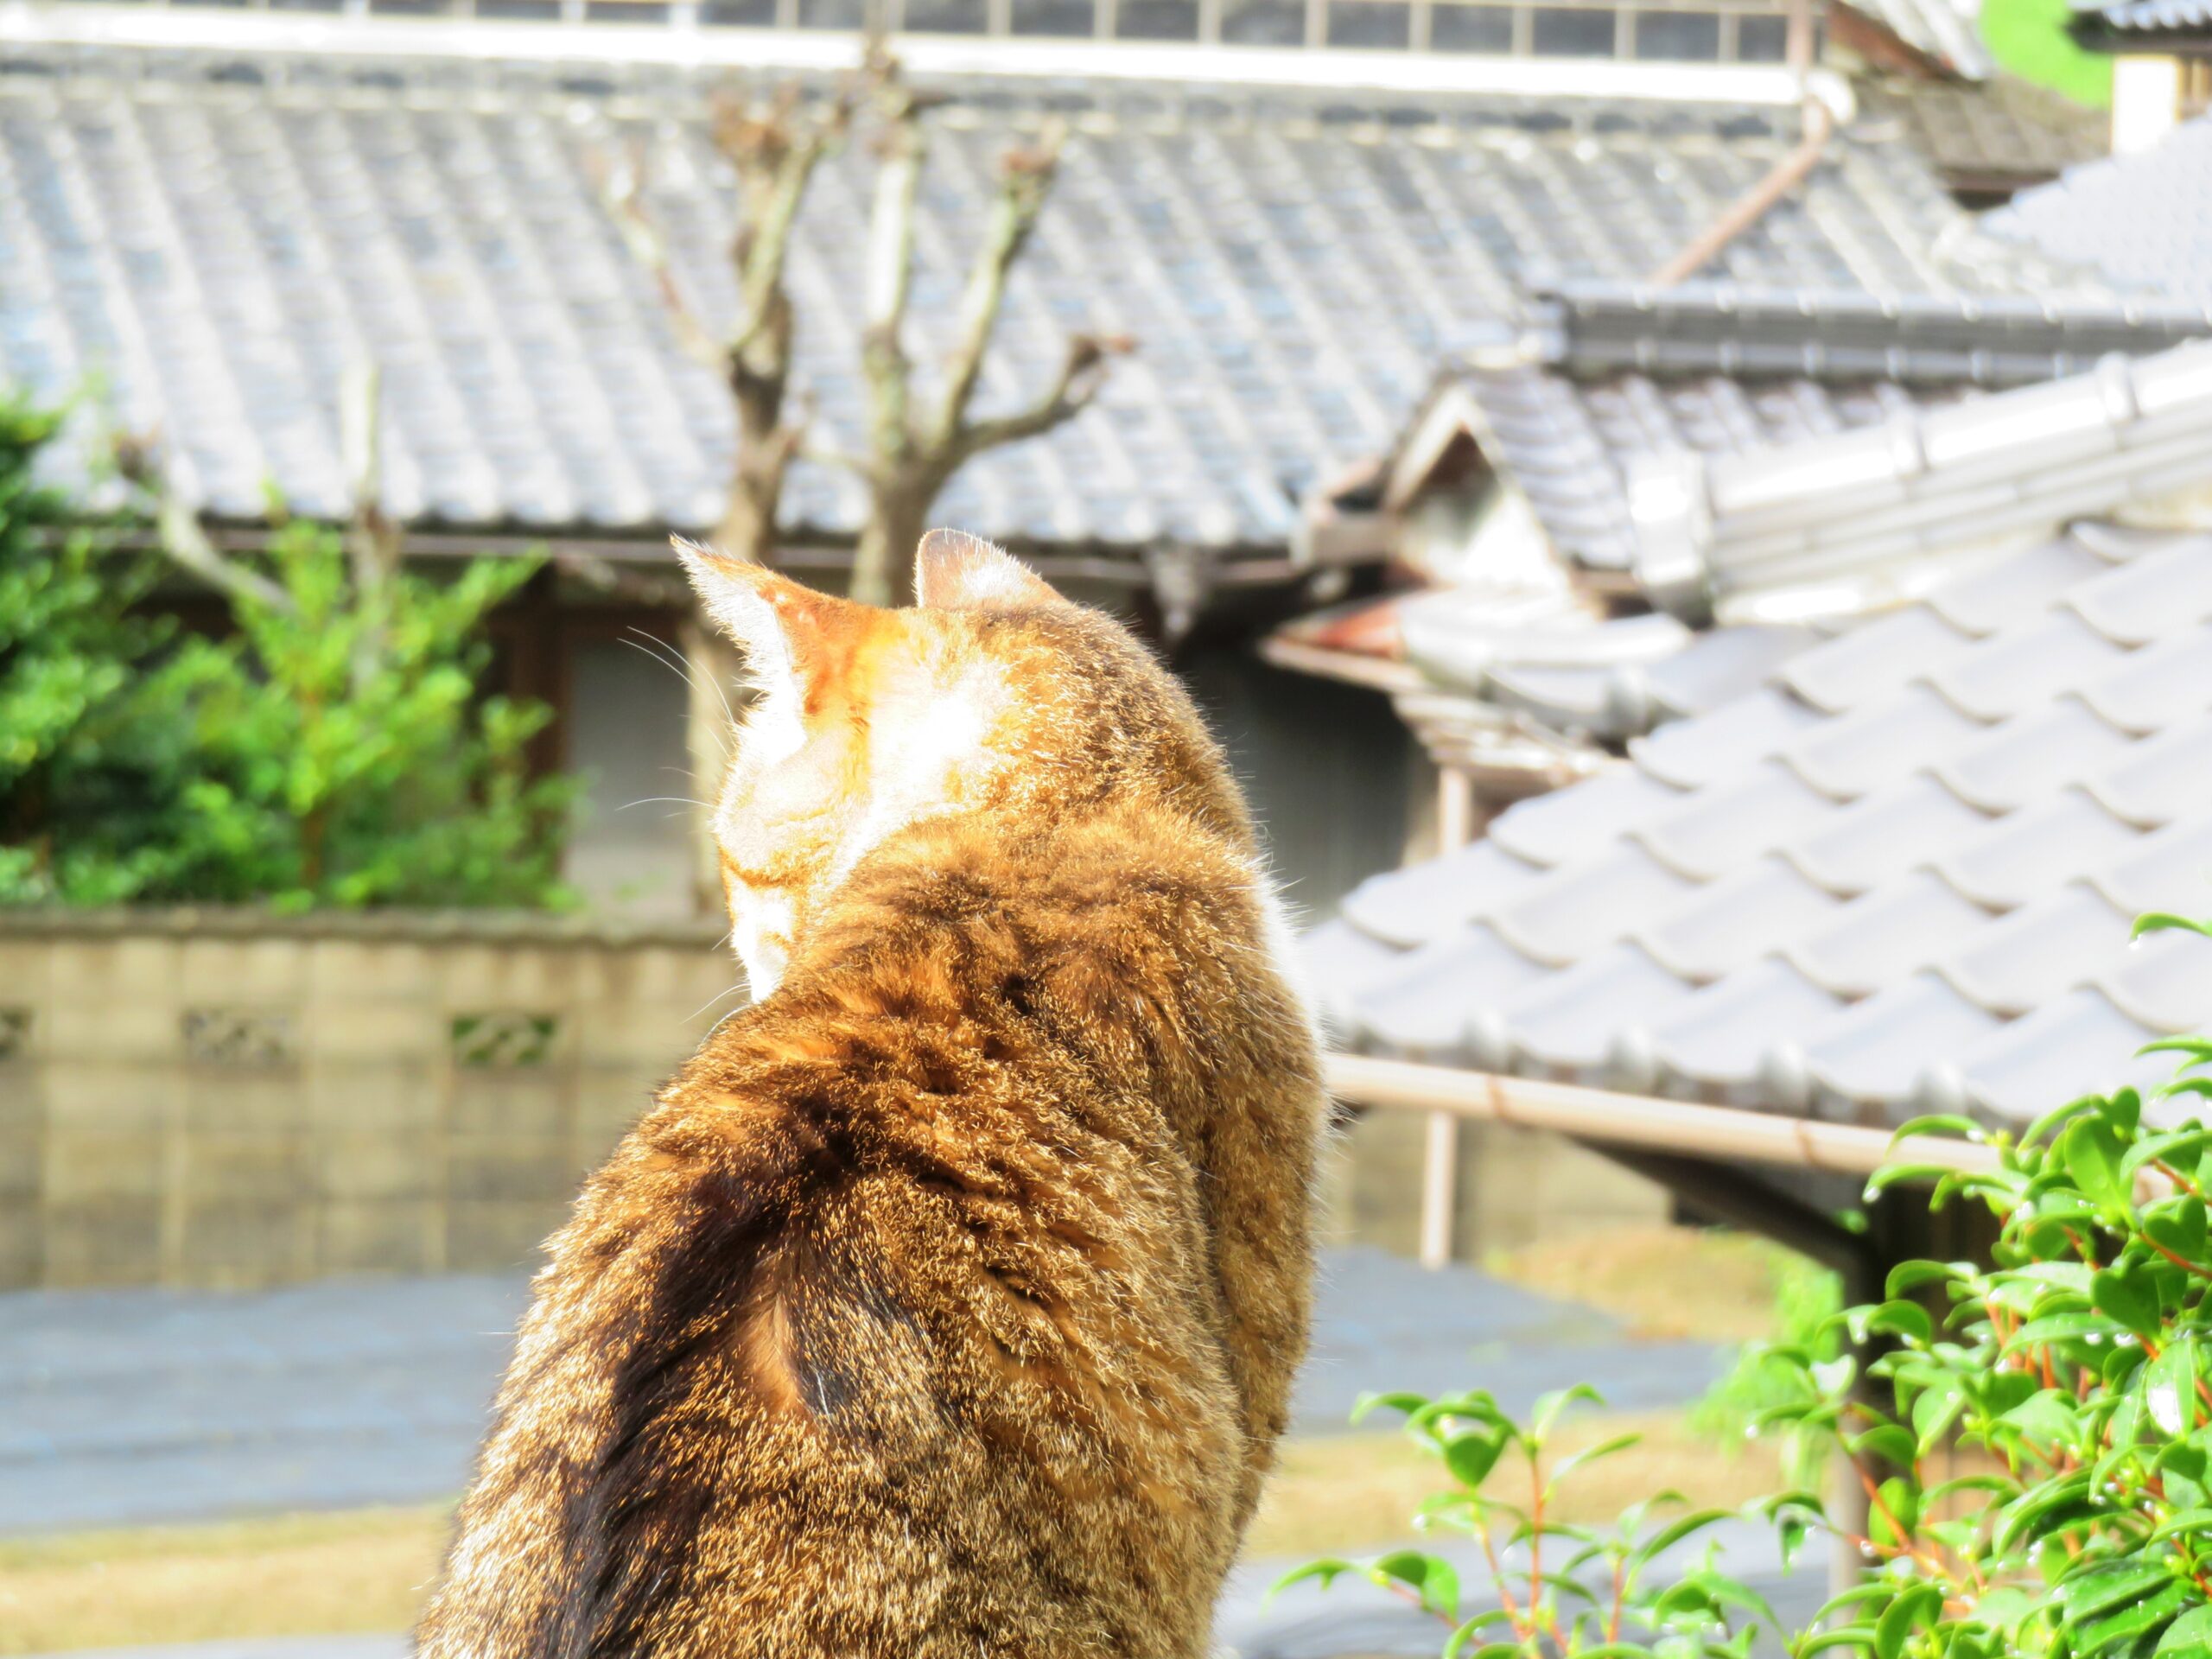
1784 176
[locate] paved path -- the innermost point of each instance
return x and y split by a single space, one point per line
119 1408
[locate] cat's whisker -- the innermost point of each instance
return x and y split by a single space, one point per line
677 666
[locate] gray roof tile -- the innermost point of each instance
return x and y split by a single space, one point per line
2165 983
2145 219
1883 832
1430 1004
1602 899
2035 851
1718 829
2014 590
2056 653
1880 1048
1721 1038
2038 952
2024 760
1405 907
219 237
1873 912
1949 34
1875 660
1550 1020
2169 869
1720 664
1735 920
2153 595
1690 753
1886 935
1854 753
2159 686
2082 1044
2161 779
1549 830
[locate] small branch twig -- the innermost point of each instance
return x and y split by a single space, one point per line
184 539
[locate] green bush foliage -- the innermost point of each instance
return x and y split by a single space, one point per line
2067 1380
332 750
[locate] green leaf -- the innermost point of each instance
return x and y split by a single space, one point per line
2128 1297
2135 1621
1471 1453
2169 1387
1914 1609
1327 1570
2091 1154
1568 1465
1434 1577
2159 921
2101 1588
1905 1318
1891 1443
1400 1401
2190 1633
1548 1408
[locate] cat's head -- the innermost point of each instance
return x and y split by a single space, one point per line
992 692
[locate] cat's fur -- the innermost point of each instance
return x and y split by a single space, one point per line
945 1304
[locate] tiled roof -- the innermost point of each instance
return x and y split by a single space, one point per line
2130 23
1846 523
217 237
1948 32
1898 874
1998 134
2143 219
1615 375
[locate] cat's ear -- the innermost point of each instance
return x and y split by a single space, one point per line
781 625
955 571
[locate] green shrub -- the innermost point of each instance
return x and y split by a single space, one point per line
332 749
97 749
2070 1373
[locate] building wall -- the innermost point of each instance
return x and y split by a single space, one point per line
208 1100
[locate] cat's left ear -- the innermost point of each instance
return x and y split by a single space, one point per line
783 627
955 571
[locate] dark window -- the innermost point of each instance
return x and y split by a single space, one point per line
1572 32
1158 19
1471 28
625 11
1053 17
947 16
832 14
1762 40
540 9
1678 37
1263 22
1370 23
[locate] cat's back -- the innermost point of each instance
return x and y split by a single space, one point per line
922 1349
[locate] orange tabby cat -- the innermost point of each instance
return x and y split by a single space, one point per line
946 1303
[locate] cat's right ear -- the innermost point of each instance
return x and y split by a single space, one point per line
781 626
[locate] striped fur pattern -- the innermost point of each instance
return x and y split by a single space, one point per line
946 1303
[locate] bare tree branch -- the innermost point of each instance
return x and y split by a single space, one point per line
183 538
1082 371
902 148
622 188
1024 179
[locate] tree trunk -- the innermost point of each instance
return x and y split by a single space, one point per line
765 444
883 564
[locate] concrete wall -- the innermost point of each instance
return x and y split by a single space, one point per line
219 1099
